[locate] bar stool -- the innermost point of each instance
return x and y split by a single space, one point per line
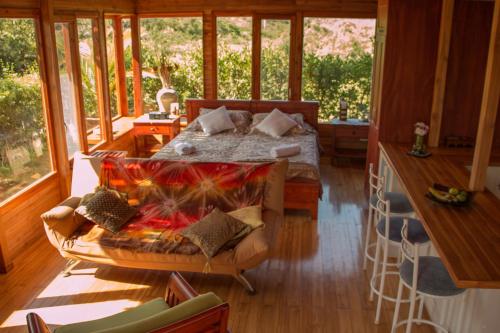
388 232
400 205
425 276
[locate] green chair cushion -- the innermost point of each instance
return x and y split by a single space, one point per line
146 317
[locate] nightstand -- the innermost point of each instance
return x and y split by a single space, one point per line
350 138
159 128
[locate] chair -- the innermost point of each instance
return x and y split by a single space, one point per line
425 276
388 230
400 205
182 310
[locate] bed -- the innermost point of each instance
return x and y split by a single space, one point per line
303 186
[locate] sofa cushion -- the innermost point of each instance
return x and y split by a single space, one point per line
107 209
213 231
86 171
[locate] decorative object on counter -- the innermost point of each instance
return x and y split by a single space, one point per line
458 142
159 115
166 96
343 109
449 195
419 149
174 109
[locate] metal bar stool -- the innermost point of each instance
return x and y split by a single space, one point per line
400 205
425 276
388 230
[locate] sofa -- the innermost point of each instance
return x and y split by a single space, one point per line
64 230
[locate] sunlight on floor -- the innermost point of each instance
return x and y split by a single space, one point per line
79 281
67 314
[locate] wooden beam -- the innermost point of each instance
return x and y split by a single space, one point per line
209 55
296 45
120 77
136 64
489 107
256 44
441 69
52 84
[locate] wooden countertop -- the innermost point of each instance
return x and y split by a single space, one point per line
466 238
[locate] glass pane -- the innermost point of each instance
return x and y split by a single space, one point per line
337 63
24 153
89 86
275 59
127 54
112 79
234 57
172 58
67 81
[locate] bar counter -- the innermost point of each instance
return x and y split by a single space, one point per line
466 238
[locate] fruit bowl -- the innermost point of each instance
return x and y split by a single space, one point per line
449 195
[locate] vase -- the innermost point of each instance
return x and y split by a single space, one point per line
164 98
419 146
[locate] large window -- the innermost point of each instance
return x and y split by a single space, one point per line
86 28
127 55
172 57
337 63
275 58
112 77
68 82
234 57
24 153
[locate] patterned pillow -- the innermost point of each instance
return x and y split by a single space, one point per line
213 231
106 209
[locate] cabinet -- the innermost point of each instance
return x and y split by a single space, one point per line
350 139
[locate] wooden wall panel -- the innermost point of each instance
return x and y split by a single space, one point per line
466 68
409 68
21 218
20 4
360 8
109 6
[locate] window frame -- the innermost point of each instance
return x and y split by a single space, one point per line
44 90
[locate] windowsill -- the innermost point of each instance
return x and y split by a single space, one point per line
122 126
27 190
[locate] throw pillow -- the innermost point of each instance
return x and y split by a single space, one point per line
251 216
213 231
276 124
106 209
216 121
241 119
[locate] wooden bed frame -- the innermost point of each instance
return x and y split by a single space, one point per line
300 193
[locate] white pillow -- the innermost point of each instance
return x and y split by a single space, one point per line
276 124
216 121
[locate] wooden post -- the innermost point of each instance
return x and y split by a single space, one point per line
441 69
256 44
209 55
297 43
489 107
120 77
56 118
136 64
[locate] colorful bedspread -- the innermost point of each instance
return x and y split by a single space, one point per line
171 195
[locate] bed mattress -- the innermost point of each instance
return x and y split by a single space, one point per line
254 147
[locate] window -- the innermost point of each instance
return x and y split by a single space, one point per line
234 57
112 77
24 153
127 54
93 124
337 63
172 57
67 79
275 58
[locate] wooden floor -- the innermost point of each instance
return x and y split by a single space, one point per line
313 281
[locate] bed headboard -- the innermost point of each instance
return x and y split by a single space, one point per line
308 108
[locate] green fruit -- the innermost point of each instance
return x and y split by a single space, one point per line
453 191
